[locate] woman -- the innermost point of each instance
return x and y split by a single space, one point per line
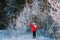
34 28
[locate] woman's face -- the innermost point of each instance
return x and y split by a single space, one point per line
33 23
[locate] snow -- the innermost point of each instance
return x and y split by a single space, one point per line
55 10
23 36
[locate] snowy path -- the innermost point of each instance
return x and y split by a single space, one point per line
4 36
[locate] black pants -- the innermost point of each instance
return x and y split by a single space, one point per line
34 34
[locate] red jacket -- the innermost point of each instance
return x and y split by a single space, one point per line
34 27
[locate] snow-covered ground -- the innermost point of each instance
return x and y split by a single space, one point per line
22 36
